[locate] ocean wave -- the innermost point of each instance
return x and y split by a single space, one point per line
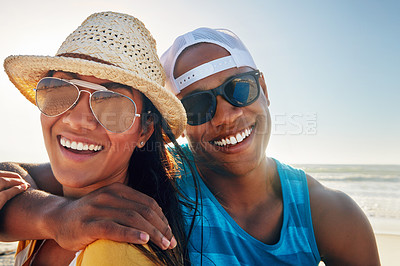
354 173
393 170
375 188
357 178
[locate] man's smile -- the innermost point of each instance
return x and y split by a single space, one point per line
233 139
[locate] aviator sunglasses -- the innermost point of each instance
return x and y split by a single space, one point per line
240 90
114 111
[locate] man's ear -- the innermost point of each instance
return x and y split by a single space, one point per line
147 131
264 86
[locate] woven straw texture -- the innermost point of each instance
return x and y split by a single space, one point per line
120 49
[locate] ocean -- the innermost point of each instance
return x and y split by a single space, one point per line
375 188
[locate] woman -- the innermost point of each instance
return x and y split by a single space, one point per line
105 118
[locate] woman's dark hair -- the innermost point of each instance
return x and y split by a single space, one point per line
152 171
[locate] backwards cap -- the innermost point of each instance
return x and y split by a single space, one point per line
239 57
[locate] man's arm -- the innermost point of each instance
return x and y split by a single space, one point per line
40 174
115 212
343 233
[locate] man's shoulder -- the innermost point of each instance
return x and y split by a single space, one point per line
330 204
340 226
337 202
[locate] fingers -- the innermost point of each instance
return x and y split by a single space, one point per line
114 212
134 211
9 179
120 233
13 175
141 218
138 197
10 187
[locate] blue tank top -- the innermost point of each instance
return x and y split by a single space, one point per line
217 239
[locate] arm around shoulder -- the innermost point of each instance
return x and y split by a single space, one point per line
31 205
343 233
38 175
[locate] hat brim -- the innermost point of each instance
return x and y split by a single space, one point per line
25 72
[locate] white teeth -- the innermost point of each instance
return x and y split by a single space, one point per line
80 146
239 137
98 148
232 140
74 145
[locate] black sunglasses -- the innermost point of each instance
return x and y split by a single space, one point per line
239 90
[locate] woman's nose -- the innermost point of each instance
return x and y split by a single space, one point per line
80 116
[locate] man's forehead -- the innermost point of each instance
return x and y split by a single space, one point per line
196 55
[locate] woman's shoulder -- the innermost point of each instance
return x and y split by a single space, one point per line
107 252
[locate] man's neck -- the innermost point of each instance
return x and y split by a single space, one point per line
253 200
236 192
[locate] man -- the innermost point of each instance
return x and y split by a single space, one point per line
253 209
228 132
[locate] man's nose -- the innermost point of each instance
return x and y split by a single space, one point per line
80 117
225 113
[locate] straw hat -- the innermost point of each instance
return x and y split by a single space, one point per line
110 46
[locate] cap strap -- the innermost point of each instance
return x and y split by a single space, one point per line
203 71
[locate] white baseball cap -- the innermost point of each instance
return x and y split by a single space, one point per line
239 57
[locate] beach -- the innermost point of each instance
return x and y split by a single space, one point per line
387 233
7 252
388 246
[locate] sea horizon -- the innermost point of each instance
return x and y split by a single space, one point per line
374 187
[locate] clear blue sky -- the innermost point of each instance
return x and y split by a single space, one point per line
332 68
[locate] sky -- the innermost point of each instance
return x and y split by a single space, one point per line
332 68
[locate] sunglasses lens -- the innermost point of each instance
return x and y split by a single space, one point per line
114 111
242 91
55 96
199 107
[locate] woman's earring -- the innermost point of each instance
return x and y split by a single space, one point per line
142 143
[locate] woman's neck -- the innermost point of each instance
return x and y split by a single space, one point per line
78 192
